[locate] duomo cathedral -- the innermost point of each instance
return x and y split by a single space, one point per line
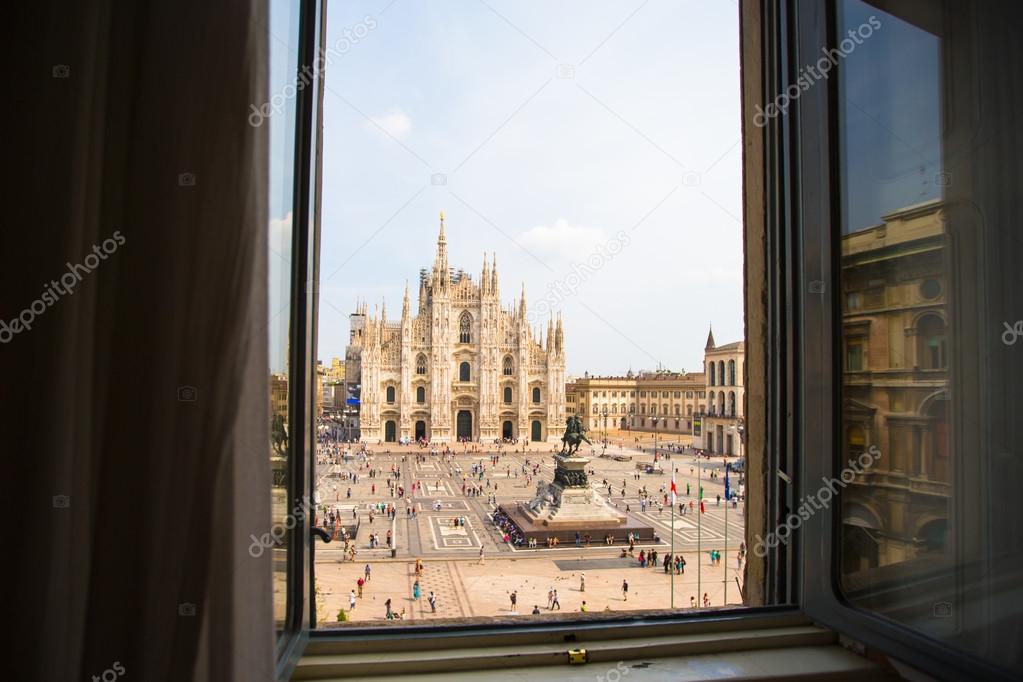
460 366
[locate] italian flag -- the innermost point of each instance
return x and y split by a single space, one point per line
674 492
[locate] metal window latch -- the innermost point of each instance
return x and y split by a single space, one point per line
324 535
783 476
576 656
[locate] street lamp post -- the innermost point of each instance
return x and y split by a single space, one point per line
653 420
604 414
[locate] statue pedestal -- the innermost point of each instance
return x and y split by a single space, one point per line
569 504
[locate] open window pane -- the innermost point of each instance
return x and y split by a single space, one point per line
929 251
283 42
560 146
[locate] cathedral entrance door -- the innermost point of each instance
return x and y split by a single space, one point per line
535 432
506 430
420 430
389 432
464 424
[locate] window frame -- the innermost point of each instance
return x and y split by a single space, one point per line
757 20
303 327
815 179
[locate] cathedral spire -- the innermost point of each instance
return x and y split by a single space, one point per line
405 305
550 334
441 275
522 302
710 339
493 276
485 277
559 338
383 309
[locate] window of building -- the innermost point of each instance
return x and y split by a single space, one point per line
420 395
509 366
854 356
930 289
390 394
421 364
463 371
507 394
536 395
930 334
731 372
465 328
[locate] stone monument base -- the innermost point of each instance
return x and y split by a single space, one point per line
564 531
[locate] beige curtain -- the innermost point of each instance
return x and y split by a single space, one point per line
135 402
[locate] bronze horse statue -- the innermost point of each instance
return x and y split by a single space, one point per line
575 435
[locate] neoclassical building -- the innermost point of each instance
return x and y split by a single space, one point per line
707 405
460 366
721 429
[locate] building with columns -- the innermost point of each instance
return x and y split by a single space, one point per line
721 429
707 405
459 366
660 401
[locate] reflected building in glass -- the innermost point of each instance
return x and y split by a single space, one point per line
895 388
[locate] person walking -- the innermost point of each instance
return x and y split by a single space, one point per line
390 613
433 602
483 559
416 590
360 582
351 600
367 571
514 599
550 599
582 582
625 590
555 602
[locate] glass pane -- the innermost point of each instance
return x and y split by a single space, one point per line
527 217
926 376
279 115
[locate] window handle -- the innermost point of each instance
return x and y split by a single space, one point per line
324 535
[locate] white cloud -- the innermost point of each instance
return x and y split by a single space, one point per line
396 124
562 241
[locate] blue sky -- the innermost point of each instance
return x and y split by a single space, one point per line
556 126
890 101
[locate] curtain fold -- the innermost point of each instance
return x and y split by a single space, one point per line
135 393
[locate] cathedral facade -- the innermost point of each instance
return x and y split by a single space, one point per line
459 367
